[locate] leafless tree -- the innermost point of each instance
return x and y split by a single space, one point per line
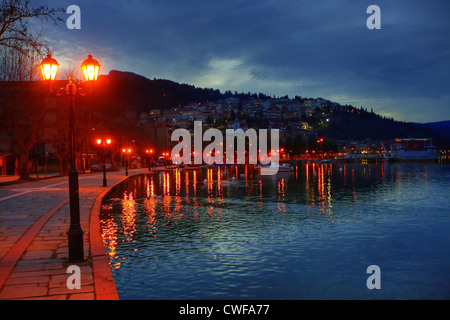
22 118
14 30
21 48
19 65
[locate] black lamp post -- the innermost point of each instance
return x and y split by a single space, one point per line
126 152
103 143
90 68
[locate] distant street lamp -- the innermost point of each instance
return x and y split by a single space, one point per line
103 143
149 153
90 67
321 149
127 153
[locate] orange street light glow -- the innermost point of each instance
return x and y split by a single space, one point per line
90 69
108 141
49 68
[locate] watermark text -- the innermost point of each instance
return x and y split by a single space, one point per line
74 20
232 149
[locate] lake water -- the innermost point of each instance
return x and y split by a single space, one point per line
309 234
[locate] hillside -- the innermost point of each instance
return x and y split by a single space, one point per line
441 128
376 128
141 94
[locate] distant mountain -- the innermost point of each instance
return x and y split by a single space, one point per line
365 125
124 75
140 94
441 127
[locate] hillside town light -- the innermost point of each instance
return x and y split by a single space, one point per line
90 68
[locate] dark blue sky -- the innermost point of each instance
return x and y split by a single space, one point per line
303 47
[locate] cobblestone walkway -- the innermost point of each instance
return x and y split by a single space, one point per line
34 219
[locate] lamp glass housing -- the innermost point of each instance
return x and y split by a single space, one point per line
90 68
49 68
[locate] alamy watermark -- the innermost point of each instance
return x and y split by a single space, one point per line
74 280
374 21
74 20
216 153
374 280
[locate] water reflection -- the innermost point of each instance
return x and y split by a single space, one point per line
150 212
179 198
128 216
109 234
239 234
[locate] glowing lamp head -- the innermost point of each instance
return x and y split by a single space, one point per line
107 141
90 68
49 67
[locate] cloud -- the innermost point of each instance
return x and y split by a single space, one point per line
304 47
234 75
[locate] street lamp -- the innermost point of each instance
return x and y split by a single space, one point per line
149 158
320 141
103 143
90 67
125 151
49 67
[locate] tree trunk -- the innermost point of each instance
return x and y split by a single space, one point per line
63 166
113 160
24 168
80 163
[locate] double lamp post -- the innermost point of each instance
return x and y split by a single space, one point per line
103 143
90 68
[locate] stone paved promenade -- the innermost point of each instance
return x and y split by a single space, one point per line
34 219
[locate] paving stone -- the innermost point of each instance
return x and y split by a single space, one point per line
52 297
42 254
28 280
33 264
82 296
61 280
23 291
65 290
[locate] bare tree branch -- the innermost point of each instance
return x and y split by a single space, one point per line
15 35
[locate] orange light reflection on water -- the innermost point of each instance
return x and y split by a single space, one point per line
109 235
318 188
128 216
281 195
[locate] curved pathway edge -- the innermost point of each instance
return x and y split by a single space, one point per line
105 288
